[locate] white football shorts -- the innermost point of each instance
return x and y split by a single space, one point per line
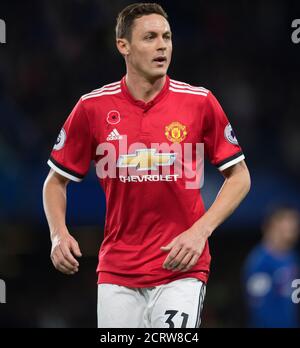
177 304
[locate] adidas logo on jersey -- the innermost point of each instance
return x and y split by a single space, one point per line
114 135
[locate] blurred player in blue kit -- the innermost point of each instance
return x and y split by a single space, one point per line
270 270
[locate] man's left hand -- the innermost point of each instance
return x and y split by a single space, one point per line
185 250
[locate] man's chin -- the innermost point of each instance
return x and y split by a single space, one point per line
158 74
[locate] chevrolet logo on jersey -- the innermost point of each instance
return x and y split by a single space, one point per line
146 159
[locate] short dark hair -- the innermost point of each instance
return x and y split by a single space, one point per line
276 212
127 16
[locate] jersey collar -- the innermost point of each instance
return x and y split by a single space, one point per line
141 103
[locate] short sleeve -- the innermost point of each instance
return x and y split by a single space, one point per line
220 143
72 152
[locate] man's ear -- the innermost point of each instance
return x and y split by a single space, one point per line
123 46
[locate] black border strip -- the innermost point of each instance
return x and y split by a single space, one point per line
229 159
64 169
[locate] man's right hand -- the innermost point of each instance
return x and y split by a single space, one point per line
64 248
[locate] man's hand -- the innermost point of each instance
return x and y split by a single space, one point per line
64 246
185 249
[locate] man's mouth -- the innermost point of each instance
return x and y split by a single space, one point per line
160 59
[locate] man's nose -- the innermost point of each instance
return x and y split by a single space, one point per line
161 44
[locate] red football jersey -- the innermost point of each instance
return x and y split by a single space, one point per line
137 148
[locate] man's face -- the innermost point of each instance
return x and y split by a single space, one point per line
284 230
150 48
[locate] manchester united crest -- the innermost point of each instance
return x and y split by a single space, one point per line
176 132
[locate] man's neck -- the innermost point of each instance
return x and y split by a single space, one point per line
275 246
143 89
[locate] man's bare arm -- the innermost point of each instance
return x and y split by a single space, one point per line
64 246
185 249
234 190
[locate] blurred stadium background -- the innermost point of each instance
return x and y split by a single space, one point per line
58 50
